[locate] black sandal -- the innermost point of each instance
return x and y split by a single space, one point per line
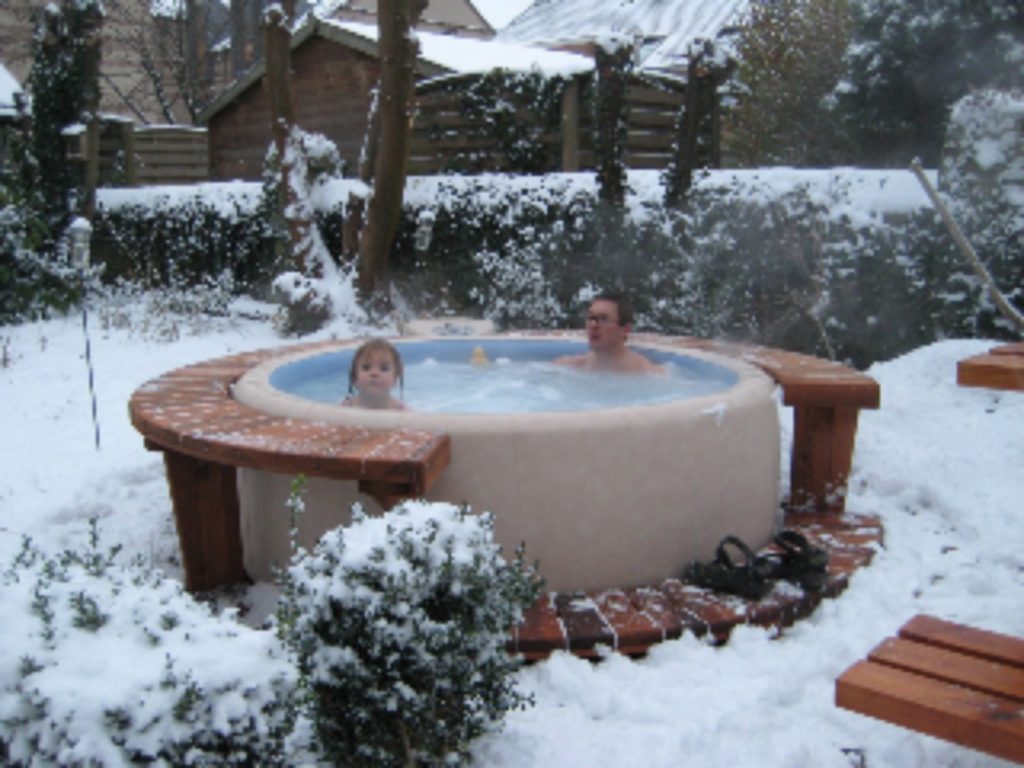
750 579
801 562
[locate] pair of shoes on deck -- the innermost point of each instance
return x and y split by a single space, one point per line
753 576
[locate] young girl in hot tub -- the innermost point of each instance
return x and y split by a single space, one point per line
376 368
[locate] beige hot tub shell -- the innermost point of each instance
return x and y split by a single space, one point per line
621 497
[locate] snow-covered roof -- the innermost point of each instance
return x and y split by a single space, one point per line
8 88
665 28
464 55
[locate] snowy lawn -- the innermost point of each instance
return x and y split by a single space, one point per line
941 465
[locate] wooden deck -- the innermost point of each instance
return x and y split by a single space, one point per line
205 434
947 680
630 621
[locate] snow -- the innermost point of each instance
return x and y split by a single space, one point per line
8 89
939 463
463 55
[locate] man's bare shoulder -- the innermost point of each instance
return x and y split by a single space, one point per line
576 361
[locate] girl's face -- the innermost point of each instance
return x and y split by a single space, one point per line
375 374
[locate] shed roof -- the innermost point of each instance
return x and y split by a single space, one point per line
440 54
664 28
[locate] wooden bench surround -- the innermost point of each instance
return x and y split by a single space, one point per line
947 680
205 435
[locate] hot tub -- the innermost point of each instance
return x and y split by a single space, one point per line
618 496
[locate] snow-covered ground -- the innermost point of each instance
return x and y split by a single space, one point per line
942 465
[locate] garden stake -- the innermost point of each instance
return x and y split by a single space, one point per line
80 234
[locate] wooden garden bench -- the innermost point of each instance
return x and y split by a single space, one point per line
205 435
947 680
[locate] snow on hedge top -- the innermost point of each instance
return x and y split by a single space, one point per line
864 196
466 55
8 88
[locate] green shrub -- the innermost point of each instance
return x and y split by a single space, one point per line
399 624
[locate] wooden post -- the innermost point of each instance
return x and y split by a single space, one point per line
92 166
128 148
571 126
823 440
206 513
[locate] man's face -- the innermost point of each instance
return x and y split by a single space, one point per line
603 330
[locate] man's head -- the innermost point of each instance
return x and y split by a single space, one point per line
609 320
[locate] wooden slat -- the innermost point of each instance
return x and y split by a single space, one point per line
993 371
980 674
964 639
988 723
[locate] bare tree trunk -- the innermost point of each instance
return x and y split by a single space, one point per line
395 20
282 117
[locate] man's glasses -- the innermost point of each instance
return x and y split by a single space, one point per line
600 319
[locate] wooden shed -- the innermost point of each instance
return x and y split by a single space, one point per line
334 69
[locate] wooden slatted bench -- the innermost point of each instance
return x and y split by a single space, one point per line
205 434
947 680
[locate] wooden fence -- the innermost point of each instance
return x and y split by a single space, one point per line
118 152
449 136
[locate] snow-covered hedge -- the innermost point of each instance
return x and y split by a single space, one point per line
400 623
843 262
111 664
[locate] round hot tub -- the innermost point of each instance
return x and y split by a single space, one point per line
617 494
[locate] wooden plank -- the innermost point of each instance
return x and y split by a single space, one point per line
987 723
959 637
982 675
992 371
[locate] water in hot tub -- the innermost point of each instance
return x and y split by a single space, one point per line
507 386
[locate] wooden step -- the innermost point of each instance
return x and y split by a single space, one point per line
948 680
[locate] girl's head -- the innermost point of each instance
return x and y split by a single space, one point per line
375 363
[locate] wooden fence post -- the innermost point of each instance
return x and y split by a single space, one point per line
128 149
571 126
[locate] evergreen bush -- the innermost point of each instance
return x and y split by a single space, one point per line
399 624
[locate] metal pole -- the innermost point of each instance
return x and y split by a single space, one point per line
81 231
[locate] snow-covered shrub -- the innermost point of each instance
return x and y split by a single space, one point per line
400 623
32 285
165 313
112 664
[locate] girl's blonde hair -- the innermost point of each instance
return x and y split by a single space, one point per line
370 347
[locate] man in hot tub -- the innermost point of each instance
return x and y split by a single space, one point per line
609 321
